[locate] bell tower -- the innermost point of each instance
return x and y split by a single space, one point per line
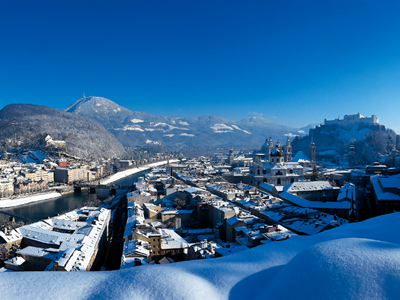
351 154
313 152
270 148
288 151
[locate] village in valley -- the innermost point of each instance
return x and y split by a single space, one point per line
194 208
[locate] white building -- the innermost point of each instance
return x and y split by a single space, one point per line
353 119
273 166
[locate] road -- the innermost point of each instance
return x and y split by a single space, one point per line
113 259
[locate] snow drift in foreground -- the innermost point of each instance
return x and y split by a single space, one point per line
360 260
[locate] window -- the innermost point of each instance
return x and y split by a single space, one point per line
264 172
278 181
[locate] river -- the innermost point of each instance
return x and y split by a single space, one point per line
49 208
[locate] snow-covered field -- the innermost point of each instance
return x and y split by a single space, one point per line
355 261
129 172
8 202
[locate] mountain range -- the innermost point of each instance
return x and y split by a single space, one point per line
134 128
99 127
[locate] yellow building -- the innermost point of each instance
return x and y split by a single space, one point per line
6 187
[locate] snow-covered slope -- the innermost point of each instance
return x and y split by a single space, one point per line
370 141
31 124
355 261
133 128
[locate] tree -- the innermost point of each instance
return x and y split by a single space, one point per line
92 201
178 203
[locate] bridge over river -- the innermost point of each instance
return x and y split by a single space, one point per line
93 187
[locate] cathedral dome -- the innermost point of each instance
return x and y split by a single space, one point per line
277 152
264 147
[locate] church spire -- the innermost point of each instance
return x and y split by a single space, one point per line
288 150
313 151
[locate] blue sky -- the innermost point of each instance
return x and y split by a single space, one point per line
293 62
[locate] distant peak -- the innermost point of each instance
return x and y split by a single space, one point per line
88 99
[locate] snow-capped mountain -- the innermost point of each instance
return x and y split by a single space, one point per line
138 128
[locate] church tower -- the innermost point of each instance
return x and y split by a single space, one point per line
270 148
351 154
288 151
231 158
313 152
168 169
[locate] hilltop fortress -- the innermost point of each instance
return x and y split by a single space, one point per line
358 119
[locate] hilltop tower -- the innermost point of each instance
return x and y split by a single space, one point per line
288 151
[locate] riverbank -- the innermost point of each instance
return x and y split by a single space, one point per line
27 199
12 202
125 173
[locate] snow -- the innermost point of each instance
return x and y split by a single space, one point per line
161 124
153 142
315 204
187 134
184 123
290 135
300 156
351 132
169 135
130 127
355 261
129 172
347 259
170 127
11 202
136 121
237 127
35 156
221 128
380 184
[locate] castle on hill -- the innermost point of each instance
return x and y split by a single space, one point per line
358 119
